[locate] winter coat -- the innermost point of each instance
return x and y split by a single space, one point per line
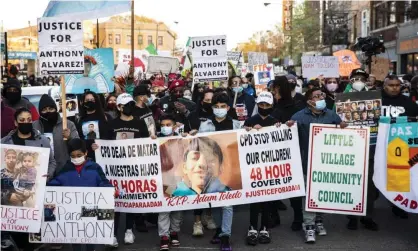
40 141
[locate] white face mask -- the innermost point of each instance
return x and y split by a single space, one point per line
78 161
245 86
332 87
358 85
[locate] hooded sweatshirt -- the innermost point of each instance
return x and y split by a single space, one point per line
400 105
59 145
7 119
21 102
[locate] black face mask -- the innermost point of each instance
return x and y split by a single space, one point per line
90 106
265 112
24 128
127 110
50 117
13 97
207 107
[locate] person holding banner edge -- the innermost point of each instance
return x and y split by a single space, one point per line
315 112
220 122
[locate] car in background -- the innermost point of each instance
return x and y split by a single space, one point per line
34 93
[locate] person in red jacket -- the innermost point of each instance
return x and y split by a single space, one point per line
7 119
12 97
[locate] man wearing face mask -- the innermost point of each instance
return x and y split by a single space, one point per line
12 97
315 112
358 78
246 85
175 104
141 110
50 123
244 105
297 96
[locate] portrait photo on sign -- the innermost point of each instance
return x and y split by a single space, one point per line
89 211
71 107
49 212
264 77
19 172
91 129
105 214
125 135
201 165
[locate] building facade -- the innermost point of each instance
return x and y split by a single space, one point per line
116 33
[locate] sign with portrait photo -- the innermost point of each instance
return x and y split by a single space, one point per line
360 109
82 215
207 170
23 179
91 129
70 104
263 74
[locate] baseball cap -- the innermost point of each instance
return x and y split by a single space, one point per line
359 72
176 83
265 97
124 98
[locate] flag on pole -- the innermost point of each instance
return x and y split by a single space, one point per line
88 9
151 49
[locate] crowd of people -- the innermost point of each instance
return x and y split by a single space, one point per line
167 106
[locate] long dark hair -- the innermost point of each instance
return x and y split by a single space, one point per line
285 88
107 100
99 107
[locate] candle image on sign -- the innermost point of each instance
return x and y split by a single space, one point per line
60 46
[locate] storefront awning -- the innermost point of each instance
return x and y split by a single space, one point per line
21 55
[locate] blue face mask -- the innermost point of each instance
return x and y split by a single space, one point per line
237 89
320 104
245 86
220 112
166 130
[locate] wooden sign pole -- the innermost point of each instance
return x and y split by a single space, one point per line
63 103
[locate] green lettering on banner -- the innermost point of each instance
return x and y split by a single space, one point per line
336 178
335 197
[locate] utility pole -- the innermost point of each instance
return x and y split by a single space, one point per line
97 34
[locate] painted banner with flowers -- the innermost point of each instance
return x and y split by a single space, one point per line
208 170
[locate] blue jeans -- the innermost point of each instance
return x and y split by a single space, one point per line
223 218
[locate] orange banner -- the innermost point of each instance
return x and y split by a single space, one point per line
348 61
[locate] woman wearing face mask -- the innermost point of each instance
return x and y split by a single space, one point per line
25 135
50 124
92 122
358 78
330 88
248 89
126 126
110 108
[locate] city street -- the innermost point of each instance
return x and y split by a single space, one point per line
394 234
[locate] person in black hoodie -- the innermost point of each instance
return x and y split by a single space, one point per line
92 121
202 113
285 108
394 104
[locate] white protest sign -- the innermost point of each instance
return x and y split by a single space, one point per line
22 187
315 66
337 172
209 58
166 65
77 215
257 58
242 167
61 48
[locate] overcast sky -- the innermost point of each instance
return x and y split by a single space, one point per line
238 19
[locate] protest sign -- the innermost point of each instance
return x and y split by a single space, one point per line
124 60
380 67
396 162
98 73
236 58
209 58
262 76
257 58
61 48
165 65
337 172
82 215
235 167
315 66
22 187
347 61
360 109
71 104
